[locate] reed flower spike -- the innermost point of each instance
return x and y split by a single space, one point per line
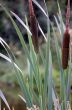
66 40
34 27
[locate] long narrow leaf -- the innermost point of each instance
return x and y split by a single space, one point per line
62 76
50 86
61 20
47 60
39 6
4 99
68 78
42 33
1 40
33 56
23 24
9 60
22 98
20 80
20 37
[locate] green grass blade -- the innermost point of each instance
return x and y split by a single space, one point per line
20 80
50 83
50 86
57 50
19 77
59 29
61 20
23 24
21 39
46 62
36 97
35 61
34 58
42 57
24 88
62 75
68 76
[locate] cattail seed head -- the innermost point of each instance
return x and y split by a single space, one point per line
65 50
34 27
66 40
31 10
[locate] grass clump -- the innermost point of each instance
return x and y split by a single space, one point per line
45 97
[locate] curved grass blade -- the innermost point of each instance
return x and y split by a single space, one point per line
25 48
42 32
4 99
5 46
39 6
1 40
21 40
20 80
22 98
23 24
20 37
9 60
18 76
24 89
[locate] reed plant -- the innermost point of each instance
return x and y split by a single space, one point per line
46 97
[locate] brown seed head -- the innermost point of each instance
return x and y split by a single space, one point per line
34 27
31 10
65 50
66 40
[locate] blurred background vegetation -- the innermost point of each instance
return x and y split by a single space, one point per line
7 76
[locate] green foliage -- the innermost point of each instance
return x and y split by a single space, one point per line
46 96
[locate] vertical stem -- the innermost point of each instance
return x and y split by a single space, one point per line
68 15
